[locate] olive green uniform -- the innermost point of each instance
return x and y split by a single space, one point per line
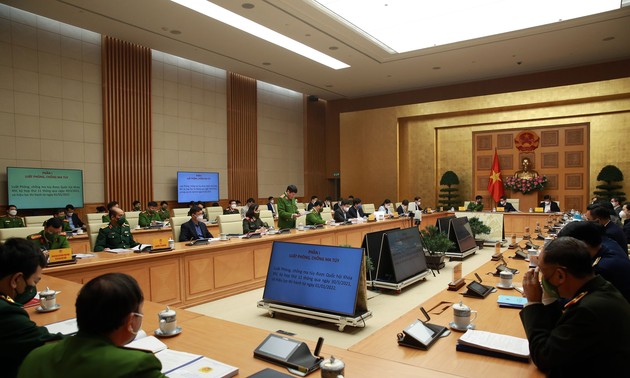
65 225
286 208
474 206
105 219
314 218
164 214
114 237
11 222
146 217
58 241
251 225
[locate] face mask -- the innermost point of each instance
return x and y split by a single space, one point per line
164 207
137 207
233 206
346 209
29 293
12 213
271 202
121 221
200 218
622 214
547 203
550 289
70 214
49 235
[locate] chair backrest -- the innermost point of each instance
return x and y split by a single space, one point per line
176 223
466 204
326 215
515 202
230 224
18 232
267 217
301 206
213 212
133 222
92 230
132 214
301 220
95 217
36 220
368 208
181 211
396 205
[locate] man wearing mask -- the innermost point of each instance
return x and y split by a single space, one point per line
11 220
73 219
231 209
315 216
21 264
624 214
61 215
312 203
245 209
150 216
355 210
109 315
136 206
477 205
164 212
270 206
50 237
115 235
341 214
507 207
566 340
548 205
287 208
195 228
110 205
601 215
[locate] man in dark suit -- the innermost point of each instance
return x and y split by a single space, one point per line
601 215
624 214
195 228
507 207
356 211
549 205
341 214
562 338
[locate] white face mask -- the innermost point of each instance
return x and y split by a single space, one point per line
271 202
199 218
12 213
69 214
233 206
622 214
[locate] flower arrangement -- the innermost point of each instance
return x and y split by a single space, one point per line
525 185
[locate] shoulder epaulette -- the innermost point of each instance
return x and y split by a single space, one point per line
576 299
283 196
35 236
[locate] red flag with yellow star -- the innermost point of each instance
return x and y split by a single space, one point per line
495 183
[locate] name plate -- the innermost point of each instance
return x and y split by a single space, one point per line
539 209
462 208
500 208
58 255
160 243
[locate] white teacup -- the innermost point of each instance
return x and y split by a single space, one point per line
506 278
48 299
168 320
223 236
79 231
300 227
463 316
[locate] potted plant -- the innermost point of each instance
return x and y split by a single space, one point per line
610 174
478 228
448 198
435 246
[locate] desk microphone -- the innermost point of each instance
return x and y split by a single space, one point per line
318 347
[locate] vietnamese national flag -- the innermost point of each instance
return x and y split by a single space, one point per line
495 183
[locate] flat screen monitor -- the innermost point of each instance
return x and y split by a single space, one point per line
442 223
315 277
461 234
197 186
402 255
44 188
372 246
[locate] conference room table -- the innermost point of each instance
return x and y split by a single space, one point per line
228 342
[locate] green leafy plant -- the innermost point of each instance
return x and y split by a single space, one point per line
436 242
449 196
478 227
610 174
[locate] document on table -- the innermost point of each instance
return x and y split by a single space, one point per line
514 346
65 327
177 364
119 250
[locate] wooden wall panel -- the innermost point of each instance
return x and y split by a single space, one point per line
242 137
127 133
315 143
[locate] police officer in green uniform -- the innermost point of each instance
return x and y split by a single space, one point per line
147 217
477 205
315 216
287 208
50 237
136 206
21 266
11 220
116 235
61 215
164 212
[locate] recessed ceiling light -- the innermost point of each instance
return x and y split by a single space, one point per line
266 64
176 32
437 68
329 85
248 5
333 48
608 39
237 21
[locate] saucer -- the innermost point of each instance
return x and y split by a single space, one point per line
505 287
456 328
54 308
158 332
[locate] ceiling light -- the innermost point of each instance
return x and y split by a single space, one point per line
223 15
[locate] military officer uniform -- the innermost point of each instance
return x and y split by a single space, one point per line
164 214
114 237
146 217
57 241
314 218
11 222
65 225
286 208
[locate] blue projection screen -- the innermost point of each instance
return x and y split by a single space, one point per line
197 186
44 188
315 277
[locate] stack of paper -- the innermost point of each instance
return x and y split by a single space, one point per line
511 301
494 344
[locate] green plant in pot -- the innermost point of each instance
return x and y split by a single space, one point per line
436 244
478 228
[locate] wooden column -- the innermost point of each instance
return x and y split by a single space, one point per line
127 147
242 135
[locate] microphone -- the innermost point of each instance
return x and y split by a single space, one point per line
318 347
